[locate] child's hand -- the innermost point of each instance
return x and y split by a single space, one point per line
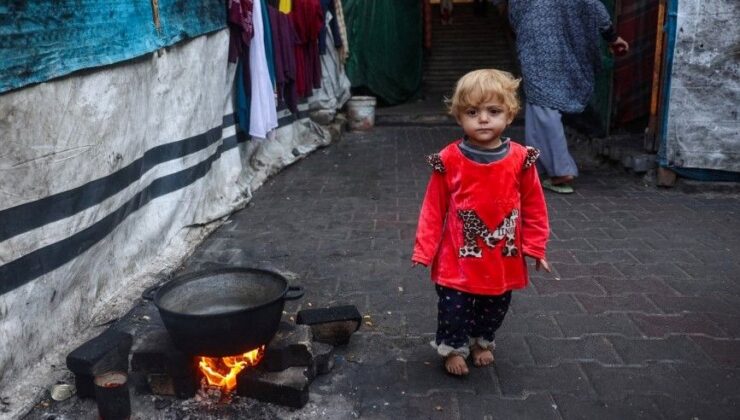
542 263
417 263
619 47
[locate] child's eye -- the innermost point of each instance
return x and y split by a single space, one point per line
471 112
494 111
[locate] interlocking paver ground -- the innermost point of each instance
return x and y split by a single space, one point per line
641 318
642 321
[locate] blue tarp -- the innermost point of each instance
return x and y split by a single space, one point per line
44 39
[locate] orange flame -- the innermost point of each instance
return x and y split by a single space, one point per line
222 371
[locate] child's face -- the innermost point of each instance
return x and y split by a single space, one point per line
483 124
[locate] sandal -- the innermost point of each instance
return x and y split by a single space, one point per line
558 188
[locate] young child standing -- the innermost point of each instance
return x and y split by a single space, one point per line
483 212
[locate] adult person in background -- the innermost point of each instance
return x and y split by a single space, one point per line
557 43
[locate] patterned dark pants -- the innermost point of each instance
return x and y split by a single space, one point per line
462 316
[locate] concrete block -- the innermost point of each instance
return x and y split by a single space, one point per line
290 347
288 387
643 163
332 325
107 351
323 357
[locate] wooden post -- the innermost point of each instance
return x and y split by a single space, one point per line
651 132
155 14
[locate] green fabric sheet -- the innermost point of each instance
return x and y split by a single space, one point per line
385 43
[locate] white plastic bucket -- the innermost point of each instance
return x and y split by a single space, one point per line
361 112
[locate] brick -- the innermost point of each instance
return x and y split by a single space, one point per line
568 271
574 326
323 357
616 286
291 346
725 352
616 383
672 349
539 324
550 286
711 384
633 407
705 304
107 351
518 381
662 325
627 303
534 406
523 304
656 269
288 387
612 256
570 244
632 245
681 407
551 351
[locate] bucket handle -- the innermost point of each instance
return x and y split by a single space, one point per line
293 293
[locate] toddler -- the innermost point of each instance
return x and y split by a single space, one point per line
483 212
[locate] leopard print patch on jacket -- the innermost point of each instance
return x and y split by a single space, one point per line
473 228
532 155
436 162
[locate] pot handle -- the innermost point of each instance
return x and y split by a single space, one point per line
293 293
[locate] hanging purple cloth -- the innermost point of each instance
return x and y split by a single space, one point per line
284 41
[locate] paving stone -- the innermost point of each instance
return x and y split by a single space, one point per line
681 407
725 352
673 349
534 406
705 304
549 286
626 303
616 286
512 349
574 326
605 256
565 378
655 269
551 351
634 407
690 323
537 324
632 244
523 304
574 244
568 271
617 383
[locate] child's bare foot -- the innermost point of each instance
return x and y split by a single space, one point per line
481 357
455 365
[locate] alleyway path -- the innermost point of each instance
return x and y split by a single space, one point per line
644 321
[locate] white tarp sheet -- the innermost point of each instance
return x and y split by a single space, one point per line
109 178
703 123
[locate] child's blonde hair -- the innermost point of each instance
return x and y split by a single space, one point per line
480 86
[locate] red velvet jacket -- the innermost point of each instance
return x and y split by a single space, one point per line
479 220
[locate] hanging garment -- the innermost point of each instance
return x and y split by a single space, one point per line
263 111
240 27
286 6
308 21
327 9
284 41
269 52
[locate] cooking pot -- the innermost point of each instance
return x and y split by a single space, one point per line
224 311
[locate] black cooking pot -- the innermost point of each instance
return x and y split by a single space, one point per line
225 311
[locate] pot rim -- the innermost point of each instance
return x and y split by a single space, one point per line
184 278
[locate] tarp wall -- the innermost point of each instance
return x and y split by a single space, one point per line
703 127
111 177
385 38
43 39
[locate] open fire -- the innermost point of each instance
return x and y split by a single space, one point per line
221 372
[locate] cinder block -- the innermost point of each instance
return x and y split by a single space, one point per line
290 347
332 325
288 387
323 357
107 351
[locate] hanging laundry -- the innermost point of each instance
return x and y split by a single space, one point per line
308 21
284 40
286 6
327 8
241 29
263 111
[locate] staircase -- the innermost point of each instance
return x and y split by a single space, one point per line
470 42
